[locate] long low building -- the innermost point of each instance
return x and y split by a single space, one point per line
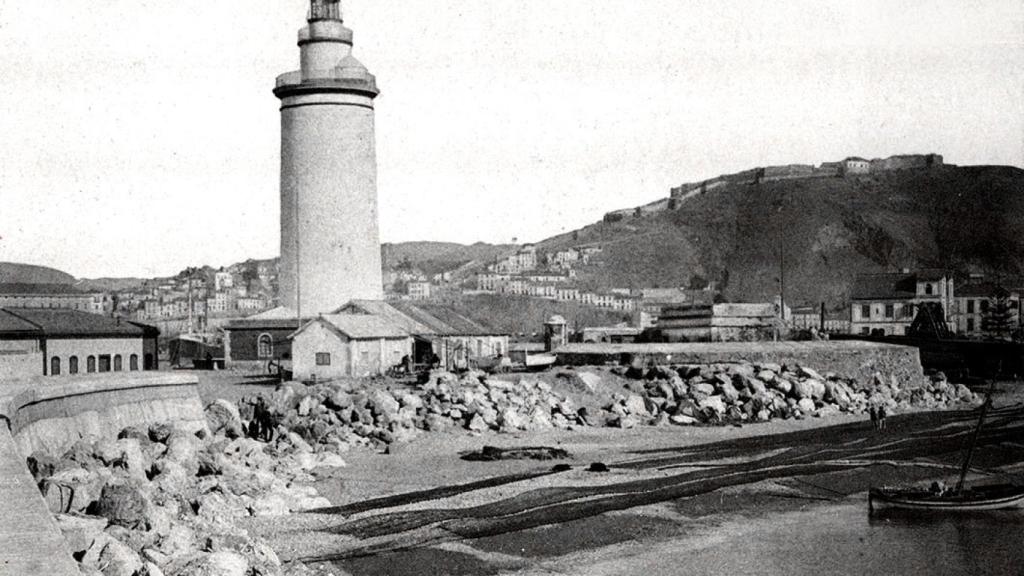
57 342
718 322
437 330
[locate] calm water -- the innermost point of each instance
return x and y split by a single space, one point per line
842 540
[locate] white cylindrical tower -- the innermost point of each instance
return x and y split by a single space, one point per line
330 245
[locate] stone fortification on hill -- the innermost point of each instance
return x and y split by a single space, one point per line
851 166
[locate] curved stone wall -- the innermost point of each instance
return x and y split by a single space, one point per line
51 414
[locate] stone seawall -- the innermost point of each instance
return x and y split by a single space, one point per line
50 414
859 360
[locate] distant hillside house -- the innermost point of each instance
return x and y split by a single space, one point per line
973 300
63 342
339 345
885 304
458 342
856 165
49 296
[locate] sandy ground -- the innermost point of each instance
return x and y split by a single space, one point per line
616 542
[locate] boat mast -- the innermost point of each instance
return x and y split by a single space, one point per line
974 438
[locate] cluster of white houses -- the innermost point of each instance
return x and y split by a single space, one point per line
362 338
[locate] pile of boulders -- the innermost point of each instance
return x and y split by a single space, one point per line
378 413
687 395
165 501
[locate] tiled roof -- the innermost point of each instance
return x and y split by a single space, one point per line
932 274
385 310
457 324
421 319
888 286
279 318
362 326
22 289
65 322
979 290
11 324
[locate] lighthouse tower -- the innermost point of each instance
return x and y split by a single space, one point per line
330 245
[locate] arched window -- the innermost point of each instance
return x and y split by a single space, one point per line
117 363
928 289
55 366
133 362
73 365
265 347
90 364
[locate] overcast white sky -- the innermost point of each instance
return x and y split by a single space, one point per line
141 136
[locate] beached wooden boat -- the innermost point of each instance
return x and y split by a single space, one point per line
959 499
990 497
538 362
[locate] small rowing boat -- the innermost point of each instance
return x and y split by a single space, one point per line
990 497
959 499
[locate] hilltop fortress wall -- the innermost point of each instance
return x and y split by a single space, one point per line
805 171
840 169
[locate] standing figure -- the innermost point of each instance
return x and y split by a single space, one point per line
874 416
881 417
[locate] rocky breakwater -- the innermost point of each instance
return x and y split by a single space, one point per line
342 416
167 501
734 393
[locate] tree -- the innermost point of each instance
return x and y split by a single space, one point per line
999 320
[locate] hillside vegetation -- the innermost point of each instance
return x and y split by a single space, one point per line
12 273
435 257
827 230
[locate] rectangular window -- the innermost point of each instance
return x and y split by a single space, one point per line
865 311
890 311
970 324
970 306
105 363
984 306
323 359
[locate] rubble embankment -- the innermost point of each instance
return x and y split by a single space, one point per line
165 500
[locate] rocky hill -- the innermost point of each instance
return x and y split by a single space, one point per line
12 273
826 229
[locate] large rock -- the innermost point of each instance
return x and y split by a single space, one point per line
80 531
809 373
806 405
222 563
222 417
119 560
701 389
636 405
383 404
715 403
477 424
124 505
809 388
511 420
